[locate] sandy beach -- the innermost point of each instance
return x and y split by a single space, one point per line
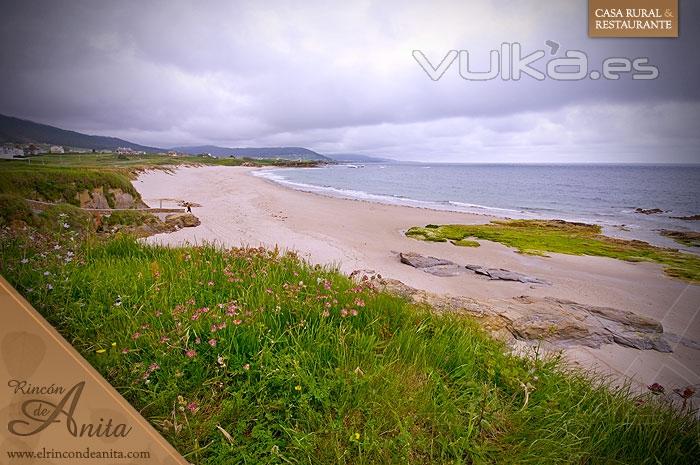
238 208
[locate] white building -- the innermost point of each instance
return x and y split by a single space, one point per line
56 149
10 151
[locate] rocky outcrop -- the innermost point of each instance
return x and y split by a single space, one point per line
648 211
181 220
504 275
689 238
560 322
432 265
687 218
442 267
97 199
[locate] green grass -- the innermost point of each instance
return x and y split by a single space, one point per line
132 163
59 183
538 237
306 366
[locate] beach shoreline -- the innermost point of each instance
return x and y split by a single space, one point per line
239 209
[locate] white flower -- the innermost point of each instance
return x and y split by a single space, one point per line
66 225
24 261
46 273
49 287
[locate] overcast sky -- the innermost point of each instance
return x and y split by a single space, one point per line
339 77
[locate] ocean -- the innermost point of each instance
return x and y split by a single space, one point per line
601 194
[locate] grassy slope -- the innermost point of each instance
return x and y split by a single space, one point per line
290 383
58 178
538 237
59 184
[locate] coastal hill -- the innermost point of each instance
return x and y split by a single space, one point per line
24 131
254 152
16 130
358 158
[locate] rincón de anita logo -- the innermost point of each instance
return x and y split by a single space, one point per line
39 414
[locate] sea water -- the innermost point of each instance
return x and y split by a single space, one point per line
607 194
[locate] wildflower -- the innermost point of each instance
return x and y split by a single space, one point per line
197 340
66 225
125 350
656 388
237 322
164 339
246 367
49 287
192 407
297 388
357 436
136 335
101 351
210 283
153 367
158 313
220 361
114 344
24 261
686 393
359 302
47 273
344 313
191 353
212 342
325 313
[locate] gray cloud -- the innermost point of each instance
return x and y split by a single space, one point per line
340 78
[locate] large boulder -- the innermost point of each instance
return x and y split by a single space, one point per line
432 265
182 220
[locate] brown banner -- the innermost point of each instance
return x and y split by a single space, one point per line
633 18
55 408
